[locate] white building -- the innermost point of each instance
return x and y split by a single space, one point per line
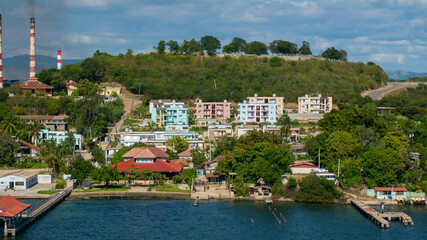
314 105
18 180
257 112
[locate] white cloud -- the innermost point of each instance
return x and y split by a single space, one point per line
387 58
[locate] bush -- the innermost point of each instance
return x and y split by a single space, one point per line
317 190
240 188
60 184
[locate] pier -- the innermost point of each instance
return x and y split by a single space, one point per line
381 218
11 228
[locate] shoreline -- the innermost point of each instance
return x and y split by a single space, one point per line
132 195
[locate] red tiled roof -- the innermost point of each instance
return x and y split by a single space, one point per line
399 189
157 166
10 207
186 153
71 82
30 145
157 152
303 165
181 161
211 175
217 159
34 84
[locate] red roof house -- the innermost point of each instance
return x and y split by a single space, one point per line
35 87
303 168
10 207
147 158
71 87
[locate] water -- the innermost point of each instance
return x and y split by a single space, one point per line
214 219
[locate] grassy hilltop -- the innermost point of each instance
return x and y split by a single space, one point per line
219 78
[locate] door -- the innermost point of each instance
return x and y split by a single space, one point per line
11 184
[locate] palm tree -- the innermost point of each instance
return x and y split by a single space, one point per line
34 131
9 125
285 125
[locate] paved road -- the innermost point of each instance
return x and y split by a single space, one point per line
379 93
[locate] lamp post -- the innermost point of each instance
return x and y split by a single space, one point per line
392 185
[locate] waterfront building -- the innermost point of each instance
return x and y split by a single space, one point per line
217 131
212 110
168 113
390 192
279 101
18 180
33 86
257 112
314 104
139 159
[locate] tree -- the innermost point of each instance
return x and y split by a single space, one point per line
283 47
178 143
305 48
285 125
194 46
257 48
92 69
173 46
4 94
198 157
185 47
210 44
237 45
335 54
80 169
34 131
105 174
317 190
8 149
161 46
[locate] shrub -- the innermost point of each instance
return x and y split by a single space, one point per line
317 190
60 184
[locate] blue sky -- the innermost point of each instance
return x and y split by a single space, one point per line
391 33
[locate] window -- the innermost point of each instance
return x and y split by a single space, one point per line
19 183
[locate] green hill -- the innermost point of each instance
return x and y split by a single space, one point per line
218 78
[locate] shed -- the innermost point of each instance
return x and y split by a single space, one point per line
86 185
18 180
390 192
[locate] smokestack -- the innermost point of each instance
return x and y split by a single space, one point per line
32 48
59 61
1 57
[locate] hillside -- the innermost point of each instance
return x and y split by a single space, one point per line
18 67
403 75
216 79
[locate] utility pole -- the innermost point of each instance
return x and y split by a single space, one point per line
318 159
339 161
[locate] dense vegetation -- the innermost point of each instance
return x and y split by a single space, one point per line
317 190
218 78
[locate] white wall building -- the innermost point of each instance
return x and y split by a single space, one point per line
18 180
314 104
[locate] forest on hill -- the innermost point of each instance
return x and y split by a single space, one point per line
213 78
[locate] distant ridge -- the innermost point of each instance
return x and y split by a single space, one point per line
403 75
18 67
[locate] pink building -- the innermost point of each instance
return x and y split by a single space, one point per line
212 110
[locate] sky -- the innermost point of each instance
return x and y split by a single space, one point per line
391 33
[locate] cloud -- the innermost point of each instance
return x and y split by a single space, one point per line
387 58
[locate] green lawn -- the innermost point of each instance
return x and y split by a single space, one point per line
107 189
48 191
171 188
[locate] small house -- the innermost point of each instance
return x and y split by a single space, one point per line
390 192
303 168
18 180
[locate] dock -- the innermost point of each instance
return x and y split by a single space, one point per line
370 213
35 212
381 218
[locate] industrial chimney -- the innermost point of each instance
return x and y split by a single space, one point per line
1 58
59 60
32 49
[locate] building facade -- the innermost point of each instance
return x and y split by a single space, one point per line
314 104
59 137
257 112
168 113
279 101
35 87
212 110
217 131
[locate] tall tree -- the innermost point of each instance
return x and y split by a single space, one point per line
237 45
283 47
305 48
92 69
173 46
178 143
335 54
195 46
210 44
161 46
8 149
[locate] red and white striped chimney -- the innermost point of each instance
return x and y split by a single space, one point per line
59 60
33 48
1 57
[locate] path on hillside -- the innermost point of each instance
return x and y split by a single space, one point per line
130 101
379 93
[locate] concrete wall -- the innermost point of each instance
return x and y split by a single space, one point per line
44 178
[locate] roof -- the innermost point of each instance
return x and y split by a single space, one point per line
386 108
43 117
30 145
186 153
395 189
181 161
303 165
152 152
34 84
71 82
157 166
21 173
211 175
217 159
10 207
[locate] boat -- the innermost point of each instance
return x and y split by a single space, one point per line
268 200
195 204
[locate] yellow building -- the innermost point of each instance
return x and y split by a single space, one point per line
314 104
279 101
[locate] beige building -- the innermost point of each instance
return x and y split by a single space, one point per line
108 91
279 101
314 104
216 131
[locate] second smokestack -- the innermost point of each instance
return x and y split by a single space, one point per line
32 48
59 60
